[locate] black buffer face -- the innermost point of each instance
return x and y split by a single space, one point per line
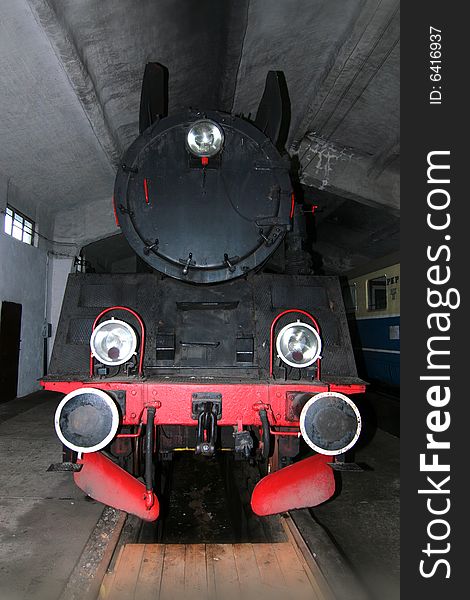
86 420
203 220
331 424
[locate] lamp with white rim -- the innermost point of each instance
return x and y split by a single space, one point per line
113 342
205 138
298 344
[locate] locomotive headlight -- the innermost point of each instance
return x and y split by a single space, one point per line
113 342
205 138
298 344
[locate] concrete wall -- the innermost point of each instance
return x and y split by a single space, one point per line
86 222
59 268
23 280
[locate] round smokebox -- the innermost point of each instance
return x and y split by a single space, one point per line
86 420
330 423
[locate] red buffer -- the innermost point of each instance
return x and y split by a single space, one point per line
106 482
304 484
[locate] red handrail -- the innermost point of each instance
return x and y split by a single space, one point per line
142 331
292 206
296 434
273 325
131 435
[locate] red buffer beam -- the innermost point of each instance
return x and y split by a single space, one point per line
106 482
304 484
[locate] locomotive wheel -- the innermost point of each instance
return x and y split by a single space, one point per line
138 457
129 453
121 449
274 462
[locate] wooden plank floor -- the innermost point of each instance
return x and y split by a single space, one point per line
210 572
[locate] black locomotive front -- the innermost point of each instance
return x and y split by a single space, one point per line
213 345
198 218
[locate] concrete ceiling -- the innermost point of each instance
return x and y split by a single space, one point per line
70 81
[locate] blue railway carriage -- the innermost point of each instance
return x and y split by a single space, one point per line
373 303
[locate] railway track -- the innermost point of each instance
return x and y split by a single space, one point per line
202 571
208 546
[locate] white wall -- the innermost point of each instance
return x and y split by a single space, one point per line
79 225
36 276
23 280
59 268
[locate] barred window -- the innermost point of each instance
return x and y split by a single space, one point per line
19 226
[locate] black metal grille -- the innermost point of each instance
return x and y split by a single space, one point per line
298 296
240 309
101 295
79 331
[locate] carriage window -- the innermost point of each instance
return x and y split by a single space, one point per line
19 226
377 293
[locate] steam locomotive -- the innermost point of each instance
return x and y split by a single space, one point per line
223 344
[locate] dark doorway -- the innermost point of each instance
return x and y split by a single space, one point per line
10 331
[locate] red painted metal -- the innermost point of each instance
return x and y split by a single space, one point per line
146 190
292 204
150 500
241 402
104 481
142 336
271 336
131 435
115 213
301 485
286 433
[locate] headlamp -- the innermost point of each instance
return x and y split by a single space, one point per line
113 342
205 138
298 344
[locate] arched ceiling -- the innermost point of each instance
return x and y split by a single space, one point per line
71 72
